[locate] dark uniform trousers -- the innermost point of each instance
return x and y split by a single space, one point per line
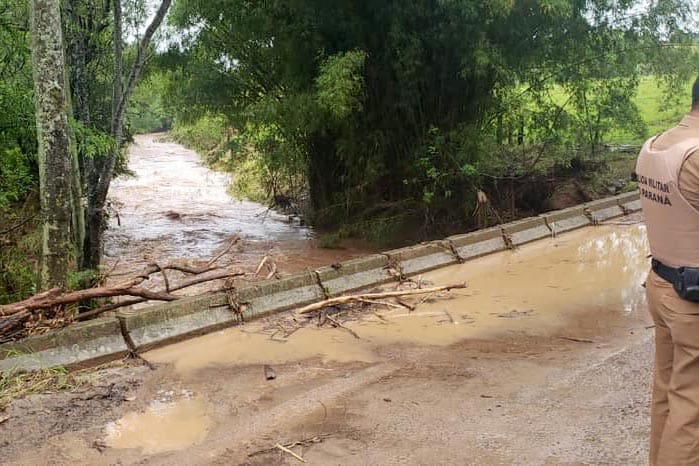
675 405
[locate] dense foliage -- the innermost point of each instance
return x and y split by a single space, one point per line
410 107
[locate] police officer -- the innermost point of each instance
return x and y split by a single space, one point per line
668 177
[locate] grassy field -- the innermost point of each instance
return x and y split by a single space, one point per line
658 111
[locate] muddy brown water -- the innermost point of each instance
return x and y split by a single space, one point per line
174 208
575 287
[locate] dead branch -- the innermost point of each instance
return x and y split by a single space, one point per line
339 325
225 251
262 264
19 225
299 443
372 296
286 450
221 274
54 297
381 303
273 271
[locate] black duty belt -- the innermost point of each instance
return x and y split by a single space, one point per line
685 280
667 273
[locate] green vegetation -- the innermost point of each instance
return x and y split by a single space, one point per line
147 112
384 120
15 385
659 109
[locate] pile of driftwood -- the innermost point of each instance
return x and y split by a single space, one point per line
57 307
341 310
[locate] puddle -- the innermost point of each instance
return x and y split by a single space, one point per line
164 426
539 288
239 346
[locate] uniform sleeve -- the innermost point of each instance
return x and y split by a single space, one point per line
689 179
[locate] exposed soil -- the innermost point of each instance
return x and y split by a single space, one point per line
543 360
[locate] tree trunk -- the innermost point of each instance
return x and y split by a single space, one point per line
54 154
120 99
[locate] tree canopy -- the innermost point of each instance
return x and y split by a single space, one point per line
413 104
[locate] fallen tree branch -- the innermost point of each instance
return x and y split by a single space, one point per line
339 325
54 297
226 251
372 296
180 286
287 450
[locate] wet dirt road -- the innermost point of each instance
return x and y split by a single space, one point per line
543 360
174 208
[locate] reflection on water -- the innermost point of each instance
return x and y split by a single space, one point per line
622 253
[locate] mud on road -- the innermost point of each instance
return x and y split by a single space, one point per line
543 360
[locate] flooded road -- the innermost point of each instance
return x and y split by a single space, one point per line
175 208
545 359
597 272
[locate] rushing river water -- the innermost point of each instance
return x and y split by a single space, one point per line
175 208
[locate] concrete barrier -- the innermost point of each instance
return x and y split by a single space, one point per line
604 209
477 244
422 258
525 231
259 299
564 220
629 202
81 344
170 322
354 275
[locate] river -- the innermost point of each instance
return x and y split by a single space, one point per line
174 208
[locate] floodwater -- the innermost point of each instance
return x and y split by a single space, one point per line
164 426
175 208
597 272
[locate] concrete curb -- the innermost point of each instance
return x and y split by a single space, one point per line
82 344
565 220
477 244
166 323
629 203
354 275
422 258
101 340
603 210
525 231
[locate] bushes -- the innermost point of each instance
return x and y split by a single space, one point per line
15 176
203 134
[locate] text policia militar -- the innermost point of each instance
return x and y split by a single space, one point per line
654 190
